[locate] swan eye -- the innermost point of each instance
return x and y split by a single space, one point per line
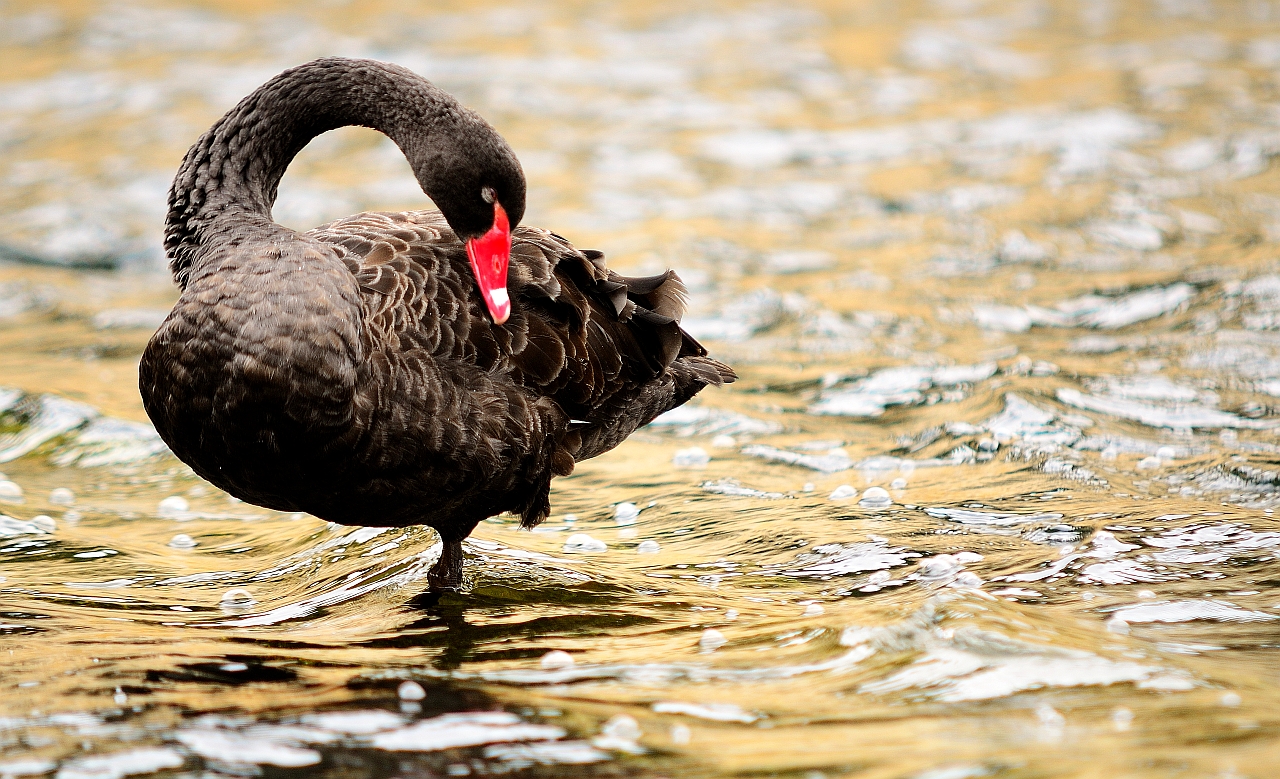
488 195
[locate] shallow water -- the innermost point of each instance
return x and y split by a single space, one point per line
994 496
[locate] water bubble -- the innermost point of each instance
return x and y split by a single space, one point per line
1146 594
1167 453
1050 717
1149 463
62 496
730 615
711 640
898 483
581 542
237 598
693 457
1118 625
648 547
843 492
967 557
10 490
814 609
680 734
569 519
120 697
410 691
625 513
44 523
808 487
182 541
1230 699
555 660
875 498
173 507
72 517
622 727
1121 719
724 442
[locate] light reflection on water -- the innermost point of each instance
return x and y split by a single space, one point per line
993 498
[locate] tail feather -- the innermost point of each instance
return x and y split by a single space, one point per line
708 371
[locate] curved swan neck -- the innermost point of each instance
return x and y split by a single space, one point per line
226 186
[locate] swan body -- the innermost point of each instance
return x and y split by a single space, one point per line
371 371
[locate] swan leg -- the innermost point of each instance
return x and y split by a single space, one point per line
446 574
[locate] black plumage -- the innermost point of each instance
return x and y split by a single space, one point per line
353 371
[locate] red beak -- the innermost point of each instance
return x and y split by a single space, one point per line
490 254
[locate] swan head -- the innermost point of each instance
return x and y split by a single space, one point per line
490 253
476 182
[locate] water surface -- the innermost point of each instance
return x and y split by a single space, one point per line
993 498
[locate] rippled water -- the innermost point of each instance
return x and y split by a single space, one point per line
994 496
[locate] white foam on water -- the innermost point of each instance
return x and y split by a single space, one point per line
1127 235
827 463
996 667
546 753
824 560
15 527
690 420
1151 387
1190 611
464 729
1181 417
989 518
870 396
355 722
733 488
1006 319
120 764
1120 572
236 748
717 712
1137 306
10 768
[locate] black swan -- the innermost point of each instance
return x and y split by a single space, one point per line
361 371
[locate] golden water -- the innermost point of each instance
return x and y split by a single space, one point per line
848 187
